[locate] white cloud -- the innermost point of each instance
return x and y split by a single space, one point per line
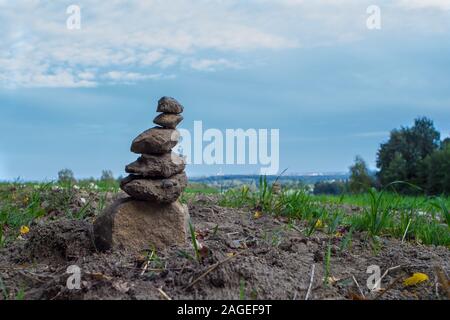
212 64
420 4
148 38
130 77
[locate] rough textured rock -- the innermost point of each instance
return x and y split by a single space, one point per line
157 166
168 120
169 105
156 190
155 141
135 226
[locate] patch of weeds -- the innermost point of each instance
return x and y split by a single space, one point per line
83 212
254 294
441 205
20 295
315 220
185 255
236 198
19 205
312 226
194 242
242 289
332 222
327 264
273 238
432 232
264 195
101 204
153 264
295 204
346 241
377 215
404 225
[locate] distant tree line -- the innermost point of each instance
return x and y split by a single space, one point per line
330 187
413 155
67 176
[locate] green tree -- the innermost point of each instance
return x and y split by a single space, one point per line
329 187
360 179
436 171
66 176
407 148
445 143
397 169
107 176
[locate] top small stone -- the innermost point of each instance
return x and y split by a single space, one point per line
169 105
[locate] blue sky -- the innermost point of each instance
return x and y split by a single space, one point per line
76 98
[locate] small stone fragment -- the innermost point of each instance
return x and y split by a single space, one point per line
168 120
169 105
155 141
157 166
156 190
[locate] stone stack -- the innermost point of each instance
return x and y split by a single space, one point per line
152 214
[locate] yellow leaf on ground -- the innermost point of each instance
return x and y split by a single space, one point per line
332 280
415 279
258 214
319 224
24 230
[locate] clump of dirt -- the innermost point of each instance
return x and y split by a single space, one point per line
57 242
242 256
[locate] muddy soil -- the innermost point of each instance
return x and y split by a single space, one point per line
243 257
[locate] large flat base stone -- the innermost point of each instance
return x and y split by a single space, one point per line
135 226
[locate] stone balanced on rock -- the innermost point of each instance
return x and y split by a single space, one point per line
151 215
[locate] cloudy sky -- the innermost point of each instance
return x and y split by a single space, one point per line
310 68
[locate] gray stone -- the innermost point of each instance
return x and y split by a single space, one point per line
168 120
169 105
157 166
155 141
156 190
135 226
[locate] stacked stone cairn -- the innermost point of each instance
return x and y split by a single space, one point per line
151 215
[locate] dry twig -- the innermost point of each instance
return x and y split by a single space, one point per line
212 268
359 288
313 268
164 294
384 275
406 231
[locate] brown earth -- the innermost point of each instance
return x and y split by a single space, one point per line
272 260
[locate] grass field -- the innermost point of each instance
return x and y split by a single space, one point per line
421 219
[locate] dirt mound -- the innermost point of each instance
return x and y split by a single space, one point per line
59 242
